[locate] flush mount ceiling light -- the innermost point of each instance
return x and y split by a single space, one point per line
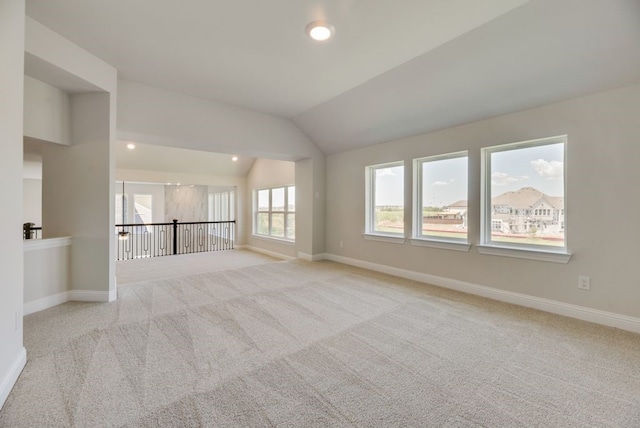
235 158
320 30
131 146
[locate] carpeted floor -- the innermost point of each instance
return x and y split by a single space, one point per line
299 344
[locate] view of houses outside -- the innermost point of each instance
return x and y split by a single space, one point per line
444 198
526 188
527 195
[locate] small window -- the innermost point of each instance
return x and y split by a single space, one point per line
385 199
275 212
524 195
441 197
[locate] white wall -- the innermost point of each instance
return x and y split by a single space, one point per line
47 273
12 352
76 187
78 179
46 112
603 151
32 201
267 173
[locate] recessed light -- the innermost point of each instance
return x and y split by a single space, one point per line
235 158
131 146
320 30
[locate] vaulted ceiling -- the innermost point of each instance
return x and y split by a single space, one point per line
393 69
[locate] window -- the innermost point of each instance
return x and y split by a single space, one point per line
275 212
524 195
221 206
142 212
385 199
441 197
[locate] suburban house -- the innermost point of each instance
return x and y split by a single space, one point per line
527 211
313 148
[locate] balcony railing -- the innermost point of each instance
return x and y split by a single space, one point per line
30 231
164 239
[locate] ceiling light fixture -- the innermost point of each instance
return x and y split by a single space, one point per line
320 30
235 158
131 146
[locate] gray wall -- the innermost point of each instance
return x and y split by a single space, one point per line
186 203
602 207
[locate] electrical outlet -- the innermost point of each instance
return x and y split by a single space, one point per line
341 244
584 282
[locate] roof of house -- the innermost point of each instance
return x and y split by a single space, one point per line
459 204
526 197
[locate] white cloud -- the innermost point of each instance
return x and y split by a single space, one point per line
549 170
385 172
502 179
443 182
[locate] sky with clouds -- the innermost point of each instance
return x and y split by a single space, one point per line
445 180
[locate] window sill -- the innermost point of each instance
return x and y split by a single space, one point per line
384 238
443 245
521 253
274 239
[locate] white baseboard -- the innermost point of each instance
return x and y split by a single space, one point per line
9 380
265 252
69 296
312 258
45 303
610 319
88 296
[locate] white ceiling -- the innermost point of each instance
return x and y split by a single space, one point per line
394 68
149 157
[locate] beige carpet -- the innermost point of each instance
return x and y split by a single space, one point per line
300 344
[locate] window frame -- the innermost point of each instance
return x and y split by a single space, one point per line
508 249
286 213
370 191
418 238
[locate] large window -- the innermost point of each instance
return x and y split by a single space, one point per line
441 197
221 206
275 212
385 199
524 195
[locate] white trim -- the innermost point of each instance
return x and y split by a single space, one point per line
610 319
12 375
69 296
311 258
384 238
524 253
43 244
274 239
443 245
45 303
266 252
89 296
113 294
